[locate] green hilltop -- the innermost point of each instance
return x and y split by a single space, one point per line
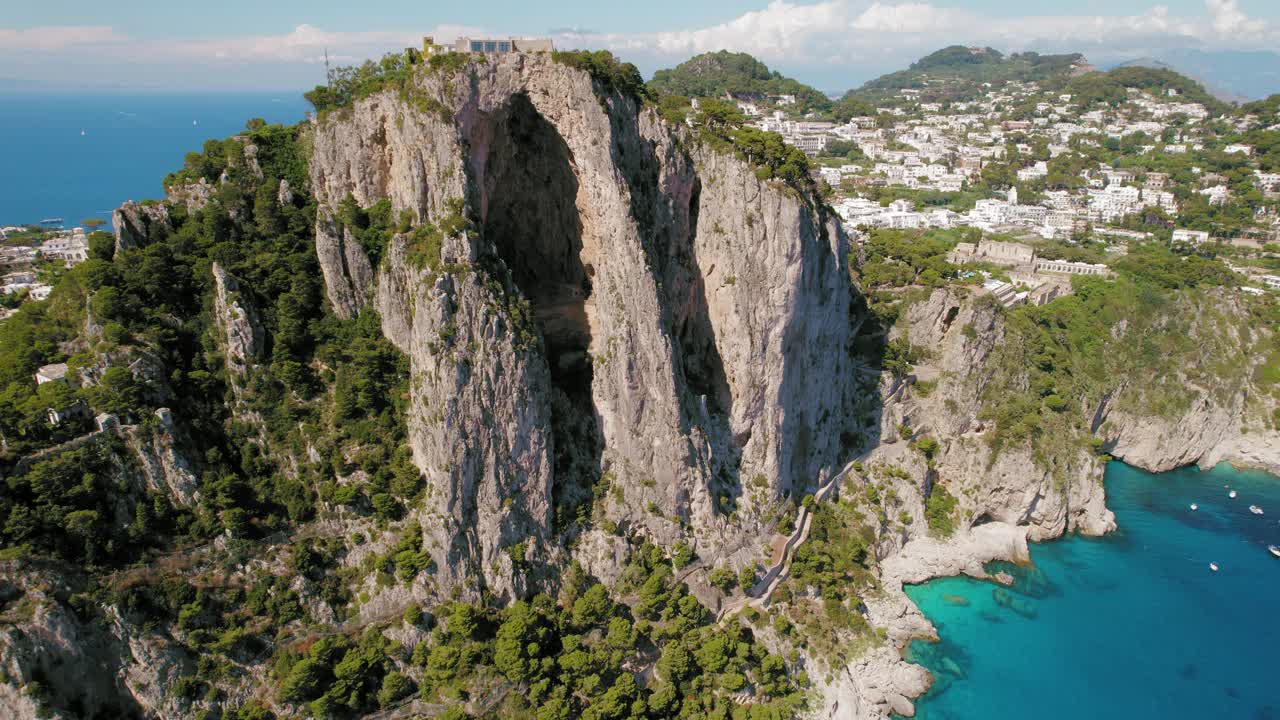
715 73
958 73
1111 87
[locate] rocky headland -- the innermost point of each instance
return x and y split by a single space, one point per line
615 334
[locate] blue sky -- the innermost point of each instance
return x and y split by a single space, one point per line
834 44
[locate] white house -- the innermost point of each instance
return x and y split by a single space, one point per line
1195 237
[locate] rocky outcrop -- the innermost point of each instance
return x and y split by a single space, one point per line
623 306
52 661
960 332
161 460
193 196
135 224
348 276
881 683
238 321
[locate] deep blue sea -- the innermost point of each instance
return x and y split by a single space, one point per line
130 142
1133 625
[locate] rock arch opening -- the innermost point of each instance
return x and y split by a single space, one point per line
530 215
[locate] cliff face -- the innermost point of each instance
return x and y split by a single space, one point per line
134 223
603 317
607 307
1216 418
1008 484
1011 495
1224 417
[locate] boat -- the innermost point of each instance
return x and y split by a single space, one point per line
1213 567
1255 509
1231 494
1195 506
1274 550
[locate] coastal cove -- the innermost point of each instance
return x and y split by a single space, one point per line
1133 624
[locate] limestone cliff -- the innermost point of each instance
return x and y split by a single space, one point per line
614 331
134 222
609 303
1008 484
1007 495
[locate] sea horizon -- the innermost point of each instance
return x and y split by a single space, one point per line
76 155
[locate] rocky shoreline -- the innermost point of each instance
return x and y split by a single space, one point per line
882 682
1010 497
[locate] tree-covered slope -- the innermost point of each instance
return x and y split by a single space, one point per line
1111 87
958 72
714 74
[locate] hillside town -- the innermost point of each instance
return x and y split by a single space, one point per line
1032 165
26 252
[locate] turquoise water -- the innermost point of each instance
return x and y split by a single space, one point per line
130 142
1133 625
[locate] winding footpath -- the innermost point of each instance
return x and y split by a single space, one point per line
758 596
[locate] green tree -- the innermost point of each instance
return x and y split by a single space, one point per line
395 686
520 640
592 607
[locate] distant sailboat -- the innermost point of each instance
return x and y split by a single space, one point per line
82 133
1255 509
1194 506
194 123
1213 567
1232 494
1274 550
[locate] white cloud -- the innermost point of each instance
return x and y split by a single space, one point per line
1229 19
307 43
60 37
304 44
835 38
908 17
860 31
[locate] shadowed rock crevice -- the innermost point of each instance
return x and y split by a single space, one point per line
530 216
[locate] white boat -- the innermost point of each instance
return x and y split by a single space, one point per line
1255 509
1231 494
1274 550
1213 567
1195 506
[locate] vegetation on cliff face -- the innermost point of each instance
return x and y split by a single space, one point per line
570 654
1162 337
612 74
395 71
722 126
401 72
